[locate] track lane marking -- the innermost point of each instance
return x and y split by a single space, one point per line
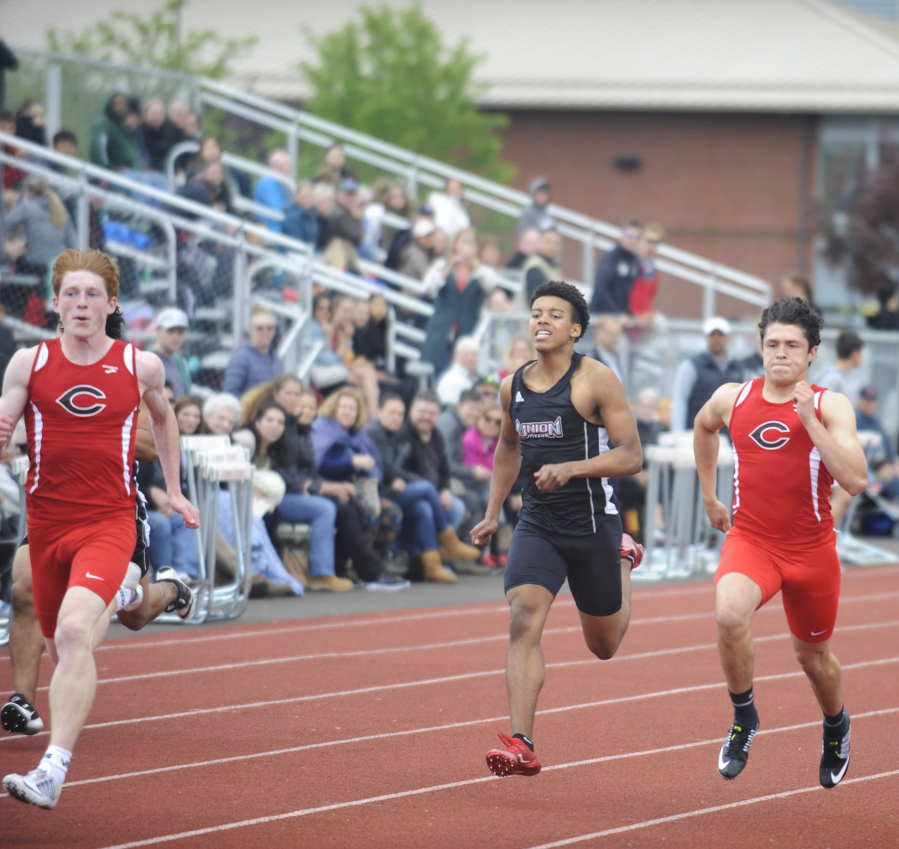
449 644
447 679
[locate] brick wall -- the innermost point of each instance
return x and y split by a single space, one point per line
730 187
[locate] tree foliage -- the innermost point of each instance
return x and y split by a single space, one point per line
389 75
154 41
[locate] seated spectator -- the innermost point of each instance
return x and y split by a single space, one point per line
334 168
888 317
488 389
417 256
13 178
489 253
345 228
221 413
459 284
178 112
453 423
519 352
328 369
66 143
542 266
618 270
156 135
449 210
424 526
208 188
272 191
646 286
428 458
537 215
607 336
300 217
323 196
171 329
396 201
402 238
866 418
798 285
255 361
344 452
631 490
463 372
31 123
361 371
210 151
193 128
528 243
479 444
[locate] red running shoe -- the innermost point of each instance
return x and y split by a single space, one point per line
631 550
515 759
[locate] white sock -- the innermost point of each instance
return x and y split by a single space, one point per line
56 762
126 599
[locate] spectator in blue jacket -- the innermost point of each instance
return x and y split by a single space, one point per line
300 217
254 362
618 271
274 192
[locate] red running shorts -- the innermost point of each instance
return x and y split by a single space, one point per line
809 580
93 555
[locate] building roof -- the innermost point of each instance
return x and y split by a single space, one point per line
678 55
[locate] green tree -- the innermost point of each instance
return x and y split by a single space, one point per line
391 76
155 41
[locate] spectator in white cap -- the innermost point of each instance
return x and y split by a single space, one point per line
417 256
171 329
698 377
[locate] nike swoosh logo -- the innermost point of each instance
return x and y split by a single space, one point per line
722 764
95 577
818 633
836 776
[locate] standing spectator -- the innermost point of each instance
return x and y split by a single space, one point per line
178 112
537 215
462 374
842 375
273 191
631 490
254 362
449 211
646 286
156 135
617 272
607 336
460 283
300 217
888 317
323 196
8 62
334 168
171 329
418 255
698 377
798 285
397 202
31 123
345 228
542 266
528 243
113 144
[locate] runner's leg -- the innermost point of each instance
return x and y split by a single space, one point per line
26 644
737 597
603 634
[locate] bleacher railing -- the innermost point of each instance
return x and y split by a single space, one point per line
298 127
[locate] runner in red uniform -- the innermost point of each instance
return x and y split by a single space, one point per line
791 441
81 396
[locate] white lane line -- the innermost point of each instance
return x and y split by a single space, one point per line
450 644
199 832
449 727
690 814
448 679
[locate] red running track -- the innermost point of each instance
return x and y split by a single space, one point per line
371 730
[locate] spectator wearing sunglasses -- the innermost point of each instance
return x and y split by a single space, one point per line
255 362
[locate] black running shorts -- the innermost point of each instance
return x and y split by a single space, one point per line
592 564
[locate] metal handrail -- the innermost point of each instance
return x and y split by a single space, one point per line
592 233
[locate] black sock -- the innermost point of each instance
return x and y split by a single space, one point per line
745 713
836 726
527 740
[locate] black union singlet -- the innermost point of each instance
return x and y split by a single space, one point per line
550 431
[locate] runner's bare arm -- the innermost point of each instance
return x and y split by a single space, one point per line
835 438
144 444
714 415
626 458
151 377
15 393
506 465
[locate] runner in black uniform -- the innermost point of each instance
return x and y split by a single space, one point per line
561 416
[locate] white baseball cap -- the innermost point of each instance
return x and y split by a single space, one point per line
710 325
171 318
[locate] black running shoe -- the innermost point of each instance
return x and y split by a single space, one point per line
735 752
18 716
834 759
184 604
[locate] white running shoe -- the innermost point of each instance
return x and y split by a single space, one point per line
185 603
37 788
18 716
